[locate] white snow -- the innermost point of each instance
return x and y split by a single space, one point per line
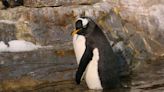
18 46
7 22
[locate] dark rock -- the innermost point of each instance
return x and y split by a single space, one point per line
7 31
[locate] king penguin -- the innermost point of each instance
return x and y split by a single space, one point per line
95 57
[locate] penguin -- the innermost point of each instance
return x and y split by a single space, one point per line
5 3
12 3
96 60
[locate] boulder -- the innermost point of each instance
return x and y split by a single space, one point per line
134 29
56 3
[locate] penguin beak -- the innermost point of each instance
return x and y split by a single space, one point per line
75 32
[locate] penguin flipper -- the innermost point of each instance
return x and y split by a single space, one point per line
86 58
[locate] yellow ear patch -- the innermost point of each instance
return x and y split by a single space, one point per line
74 32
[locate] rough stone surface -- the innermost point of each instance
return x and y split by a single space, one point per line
29 69
133 27
49 25
7 31
55 3
147 17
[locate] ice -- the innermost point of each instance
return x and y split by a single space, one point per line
18 46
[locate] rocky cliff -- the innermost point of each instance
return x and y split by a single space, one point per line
134 27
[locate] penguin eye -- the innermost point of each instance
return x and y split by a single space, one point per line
79 24
82 23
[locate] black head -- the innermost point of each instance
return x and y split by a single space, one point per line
84 26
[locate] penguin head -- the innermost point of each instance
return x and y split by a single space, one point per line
82 25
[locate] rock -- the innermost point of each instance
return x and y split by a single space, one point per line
148 18
48 26
7 31
134 29
11 3
149 77
23 69
55 3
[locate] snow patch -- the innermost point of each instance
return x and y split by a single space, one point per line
18 46
7 22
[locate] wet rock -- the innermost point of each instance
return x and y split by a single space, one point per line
28 69
37 65
148 79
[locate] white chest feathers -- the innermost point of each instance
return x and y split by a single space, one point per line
91 73
79 46
92 76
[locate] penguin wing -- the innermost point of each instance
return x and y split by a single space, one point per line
86 58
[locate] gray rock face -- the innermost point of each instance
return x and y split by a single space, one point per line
42 64
48 25
148 18
55 3
7 31
134 28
